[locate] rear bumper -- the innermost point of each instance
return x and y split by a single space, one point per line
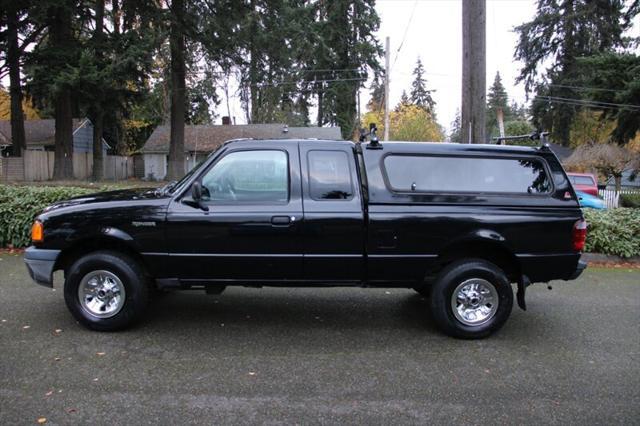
582 265
40 264
548 267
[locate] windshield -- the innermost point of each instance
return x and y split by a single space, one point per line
173 187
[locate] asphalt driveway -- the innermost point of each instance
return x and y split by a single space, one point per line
329 356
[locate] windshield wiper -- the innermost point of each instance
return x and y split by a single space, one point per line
163 189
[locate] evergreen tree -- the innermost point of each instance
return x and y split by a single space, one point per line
561 32
420 96
20 32
47 71
456 128
614 78
376 103
497 98
175 165
404 101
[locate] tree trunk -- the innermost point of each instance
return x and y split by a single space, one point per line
253 65
98 117
61 38
177 47
117 16
320 108
98 160
63 159
618 180
13 60
253 88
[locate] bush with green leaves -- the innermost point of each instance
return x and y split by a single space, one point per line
19 206
630 200
613 231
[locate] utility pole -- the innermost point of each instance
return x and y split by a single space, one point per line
500 117
386 90
474 68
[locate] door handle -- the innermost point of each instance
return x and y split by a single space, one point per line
280 220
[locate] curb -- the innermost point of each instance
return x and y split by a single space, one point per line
609 258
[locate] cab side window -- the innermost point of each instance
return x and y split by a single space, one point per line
329 175
257 176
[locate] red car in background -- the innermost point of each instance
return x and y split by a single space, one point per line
585 182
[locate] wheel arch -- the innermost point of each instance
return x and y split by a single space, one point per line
480 248
98 243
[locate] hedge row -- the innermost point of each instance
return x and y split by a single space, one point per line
19 205
630 200
610 231
615 231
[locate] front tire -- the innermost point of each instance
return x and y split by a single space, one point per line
471 299
106 291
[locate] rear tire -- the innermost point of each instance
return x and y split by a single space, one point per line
471 299
106 291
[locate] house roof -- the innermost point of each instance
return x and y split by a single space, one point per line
206 138
37 132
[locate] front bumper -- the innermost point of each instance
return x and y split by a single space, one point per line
582 265
40 264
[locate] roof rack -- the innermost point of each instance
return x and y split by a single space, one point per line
374 142
541 136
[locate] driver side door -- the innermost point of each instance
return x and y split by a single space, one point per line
251 231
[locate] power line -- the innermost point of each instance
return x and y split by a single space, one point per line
585 103
296 71
611 104
406 30
279 83
592 89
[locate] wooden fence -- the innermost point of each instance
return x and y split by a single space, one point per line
612 197
35 166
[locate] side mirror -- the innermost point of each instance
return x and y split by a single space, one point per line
196 195
196 191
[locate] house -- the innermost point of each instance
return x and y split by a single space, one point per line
200 140
40 136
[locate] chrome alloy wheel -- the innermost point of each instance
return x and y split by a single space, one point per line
474 302
101 294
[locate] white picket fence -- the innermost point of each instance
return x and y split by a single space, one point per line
611 197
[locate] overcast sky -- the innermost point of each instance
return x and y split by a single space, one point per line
434 33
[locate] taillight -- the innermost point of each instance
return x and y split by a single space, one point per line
37 232
579 235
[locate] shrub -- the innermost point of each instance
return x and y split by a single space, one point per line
614 231
630 200
19 205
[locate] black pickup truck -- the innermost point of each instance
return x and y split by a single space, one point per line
457 223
